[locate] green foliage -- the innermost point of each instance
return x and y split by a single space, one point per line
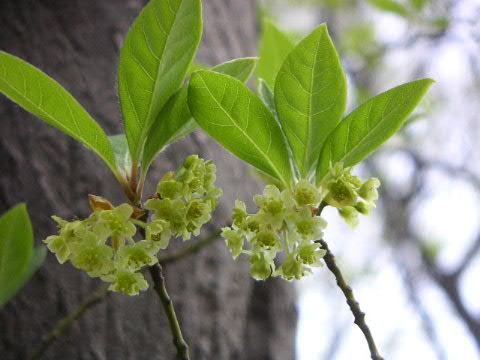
39 94
154 60
370 125
419 4
295 137
122 154
273 49
175 121
301 124
390 6
241 69
18 259
234 116
267 96
310 97
309 100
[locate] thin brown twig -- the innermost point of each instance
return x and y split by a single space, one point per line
67 321
160 287
359 316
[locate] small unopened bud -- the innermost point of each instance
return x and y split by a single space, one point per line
350 215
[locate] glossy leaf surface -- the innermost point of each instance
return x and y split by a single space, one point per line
310 97
39 94
370 125
154 60
234 116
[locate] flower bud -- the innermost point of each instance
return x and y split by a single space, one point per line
362 207
350 215
261 267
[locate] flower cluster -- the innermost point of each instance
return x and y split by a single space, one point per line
288 222
103 245
349 193
184 201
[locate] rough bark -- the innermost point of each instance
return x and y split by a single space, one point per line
225 315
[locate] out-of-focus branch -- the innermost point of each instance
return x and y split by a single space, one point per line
413 296
189 250
396 218
470 254
452 170
60 327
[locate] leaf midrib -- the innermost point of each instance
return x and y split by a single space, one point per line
243 132
306 155
156 83
59 124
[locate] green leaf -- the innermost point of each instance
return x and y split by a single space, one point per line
16 242
310 97
273 49
390 6
39 94
175 120
370 125
195 66
266 95
240 69
234 116
154 60
122 154
419 4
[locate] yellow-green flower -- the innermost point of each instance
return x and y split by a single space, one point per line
261 266
134 257
234 240
118 221
92 255
126 282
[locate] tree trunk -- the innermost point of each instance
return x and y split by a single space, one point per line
224 313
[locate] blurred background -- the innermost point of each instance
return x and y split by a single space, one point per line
414 263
